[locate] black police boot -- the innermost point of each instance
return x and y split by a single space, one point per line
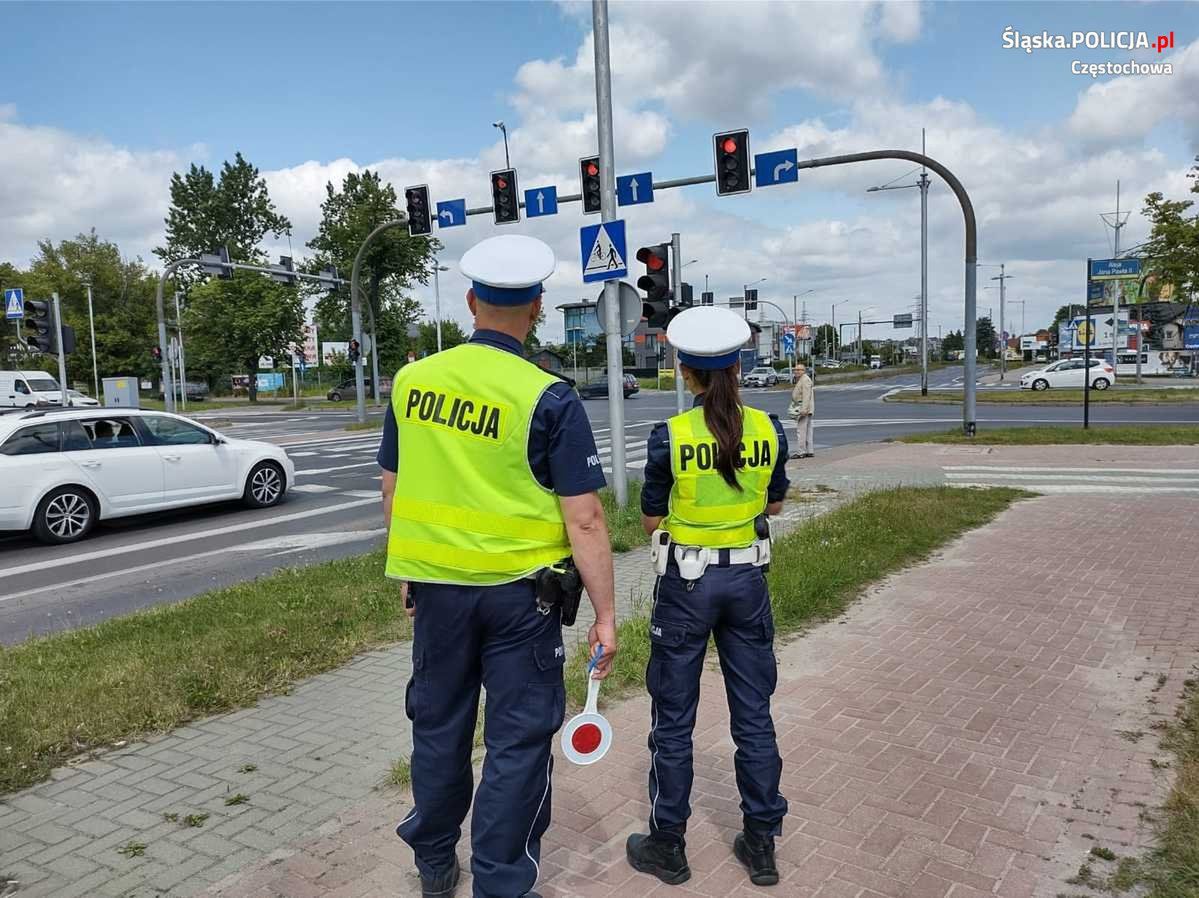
443 885
757 854
664 858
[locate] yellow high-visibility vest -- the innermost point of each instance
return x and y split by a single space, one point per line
704 510
467 507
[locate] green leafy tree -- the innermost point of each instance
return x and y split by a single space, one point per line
230 323
393 263
953 342
451 335
985 337
531 341
825 341
1173 246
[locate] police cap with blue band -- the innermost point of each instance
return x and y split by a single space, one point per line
708 337
508 270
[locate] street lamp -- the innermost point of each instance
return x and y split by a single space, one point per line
836 338
503 130
91 322
437 266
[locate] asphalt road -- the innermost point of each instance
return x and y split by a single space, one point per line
135 563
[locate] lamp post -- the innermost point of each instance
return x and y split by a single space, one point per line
503 130
833 310
91 323
437 266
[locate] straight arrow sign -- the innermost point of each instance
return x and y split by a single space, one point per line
635 190
541 201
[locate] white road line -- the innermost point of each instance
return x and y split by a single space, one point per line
329 539
35 566
313 488
1046 468
309 472
1090 478
302 454
1083 488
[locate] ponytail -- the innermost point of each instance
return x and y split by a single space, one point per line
724 417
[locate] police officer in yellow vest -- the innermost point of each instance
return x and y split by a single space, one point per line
711 476
490 473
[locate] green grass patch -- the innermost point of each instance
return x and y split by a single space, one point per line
824 564
1118 395
372 424
400 773
653 383
70 693
624 524
1067 434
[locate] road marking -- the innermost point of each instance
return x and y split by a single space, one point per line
313 488
308 472
1083 488
1089 477
316 540
302 454
35 566
1026 470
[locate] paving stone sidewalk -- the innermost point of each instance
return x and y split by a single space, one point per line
962 732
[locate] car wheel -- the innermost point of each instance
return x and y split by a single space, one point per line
65 515
773 382
335 397
1101 383
265 485
1040 384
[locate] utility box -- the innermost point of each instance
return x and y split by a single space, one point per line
121 392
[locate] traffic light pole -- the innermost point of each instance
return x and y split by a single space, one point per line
62 358
356 316
676 274
612 335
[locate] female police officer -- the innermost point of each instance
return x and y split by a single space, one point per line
711 476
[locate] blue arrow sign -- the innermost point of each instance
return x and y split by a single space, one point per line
541 201
1115 268
633 190
776 168
602 249
14 304
451 213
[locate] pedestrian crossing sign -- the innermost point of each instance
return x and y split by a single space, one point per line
603 250
14 304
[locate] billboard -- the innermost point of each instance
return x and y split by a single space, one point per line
1190 336
1078 332
334 347
311 355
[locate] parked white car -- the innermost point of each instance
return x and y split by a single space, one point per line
28 389
1068 373
761 376
64 469
79 400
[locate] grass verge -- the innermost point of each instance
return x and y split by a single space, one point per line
624 524
67 694
372 424
1061 434
1119 396
824 564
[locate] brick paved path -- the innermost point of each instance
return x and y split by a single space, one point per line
968 729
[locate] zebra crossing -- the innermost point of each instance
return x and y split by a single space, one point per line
1062 480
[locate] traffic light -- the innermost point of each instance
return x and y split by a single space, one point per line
217 263
285 271
420 222
656 283
732 162
156 354
42 326
751 299
504 198
589 172
688 298
355 352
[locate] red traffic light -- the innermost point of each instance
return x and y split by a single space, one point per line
729 145
592 169
501 184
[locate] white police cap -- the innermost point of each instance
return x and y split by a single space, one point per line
708 336
508 270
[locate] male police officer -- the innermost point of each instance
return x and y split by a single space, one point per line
497 481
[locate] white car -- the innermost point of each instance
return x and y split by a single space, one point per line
64 469
79 400
1068 373
761 376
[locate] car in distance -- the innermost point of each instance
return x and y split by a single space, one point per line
1068 373
28 389
760 377
346 389
598 388
79 400
64 469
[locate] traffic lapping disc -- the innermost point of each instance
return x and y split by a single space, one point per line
587 737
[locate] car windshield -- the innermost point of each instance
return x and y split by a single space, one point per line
42 384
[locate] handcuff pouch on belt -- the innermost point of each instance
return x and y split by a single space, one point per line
560 586
692 561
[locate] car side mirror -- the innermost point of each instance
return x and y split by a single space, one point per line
217 440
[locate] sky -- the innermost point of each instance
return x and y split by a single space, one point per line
101 102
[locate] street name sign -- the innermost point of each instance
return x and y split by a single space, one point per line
635 190
1115 269
541 201
603 250
778 167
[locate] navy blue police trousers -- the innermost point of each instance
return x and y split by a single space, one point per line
494 637
733 604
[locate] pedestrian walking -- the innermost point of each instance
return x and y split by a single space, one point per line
490 479
712 475
802 408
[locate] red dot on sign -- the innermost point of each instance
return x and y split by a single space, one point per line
586 738
730 145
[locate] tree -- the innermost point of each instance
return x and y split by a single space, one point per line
1173 246
451 335
985 338
230 323
394 262
531 341
825 341
953 342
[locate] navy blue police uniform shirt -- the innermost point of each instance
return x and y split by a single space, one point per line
562 453
659 476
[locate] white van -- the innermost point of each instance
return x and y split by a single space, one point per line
26 389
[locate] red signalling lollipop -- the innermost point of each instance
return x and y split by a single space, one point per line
588 736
